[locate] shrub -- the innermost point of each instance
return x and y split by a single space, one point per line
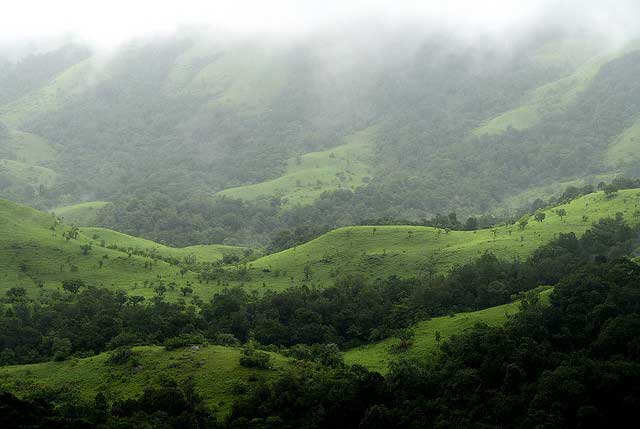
252 358
183 340
123 355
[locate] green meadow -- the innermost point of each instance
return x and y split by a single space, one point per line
83 214
306 177
381 251
35 255
378 356
215 370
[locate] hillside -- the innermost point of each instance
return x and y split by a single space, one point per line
306 177
35 254
377 356
82 214
326 131
406 251
214 369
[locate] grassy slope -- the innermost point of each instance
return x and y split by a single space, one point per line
625 148
549 98
402 250
49 97
203 253
83 214
30 253
215 371
377 356
28 148
28 175
343 167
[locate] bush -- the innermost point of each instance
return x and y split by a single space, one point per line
252 358
183 340
123 355
225 340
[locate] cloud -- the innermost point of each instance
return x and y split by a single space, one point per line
114 21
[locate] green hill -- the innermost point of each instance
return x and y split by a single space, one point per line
377 356
35 255
202 253
215 370
307 176
83 214
382 251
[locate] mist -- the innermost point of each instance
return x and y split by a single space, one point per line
39 24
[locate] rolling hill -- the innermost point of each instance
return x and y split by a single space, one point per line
381 251
35 254
38 258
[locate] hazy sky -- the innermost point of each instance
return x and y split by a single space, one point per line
108 22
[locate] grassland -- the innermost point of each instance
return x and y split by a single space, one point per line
306 177
27 148
625 148
549 98
214 369
203 253
378 252
39 258
377 356
27 174
83 214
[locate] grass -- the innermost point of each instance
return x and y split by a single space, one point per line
306 177
214 369
245 80
549 98
28 175
83 214
378 252
28 148
51 96
625 148
377 356
203 253
39 259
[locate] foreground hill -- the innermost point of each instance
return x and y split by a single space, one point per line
407 251
216 372
36 254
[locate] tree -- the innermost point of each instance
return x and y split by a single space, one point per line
540 216
16 294
471 224
562 213
135 300
523 222
85 248
73 285
160 290
406 337
307 272
610 190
